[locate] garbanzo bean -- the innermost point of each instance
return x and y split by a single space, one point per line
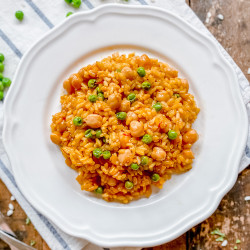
137 129
114 101
190 137
158 154
94 121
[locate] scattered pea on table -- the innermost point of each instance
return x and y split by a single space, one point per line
19 15
6 82
1 57
1 67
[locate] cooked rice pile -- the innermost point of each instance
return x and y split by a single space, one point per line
117 77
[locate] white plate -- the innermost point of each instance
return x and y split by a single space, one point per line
39 167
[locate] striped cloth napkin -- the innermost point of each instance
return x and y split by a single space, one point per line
16 37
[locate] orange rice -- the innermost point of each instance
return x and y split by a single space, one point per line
117 77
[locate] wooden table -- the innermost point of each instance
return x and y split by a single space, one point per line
232 216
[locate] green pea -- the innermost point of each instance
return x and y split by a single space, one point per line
141 71
98 90
131 97
77 121
144 160
1 86
88 133
146 85
68 1
6 82
91 83
92 98
97 152
106 154
19 15
69 13
104 140
129 185
1 76
121 115
1 67
98 133
147 138
99 190
100 95
1 95
155 177
157 106
177 95
172 135
1 57
76 3
134 166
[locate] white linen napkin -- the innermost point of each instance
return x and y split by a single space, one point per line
16 37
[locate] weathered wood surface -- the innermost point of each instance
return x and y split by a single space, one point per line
232 216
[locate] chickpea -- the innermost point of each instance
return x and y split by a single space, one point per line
158 154
124 139
125 158
114 101
94 121
125 105
137 129
162 96
188 154
133 116
128 72
190 137
55 138
76 81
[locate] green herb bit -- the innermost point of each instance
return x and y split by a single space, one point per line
218 232
238 241
99 190
32 243
235 247
220 239
69 13
27 221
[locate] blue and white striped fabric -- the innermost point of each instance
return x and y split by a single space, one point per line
16 37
